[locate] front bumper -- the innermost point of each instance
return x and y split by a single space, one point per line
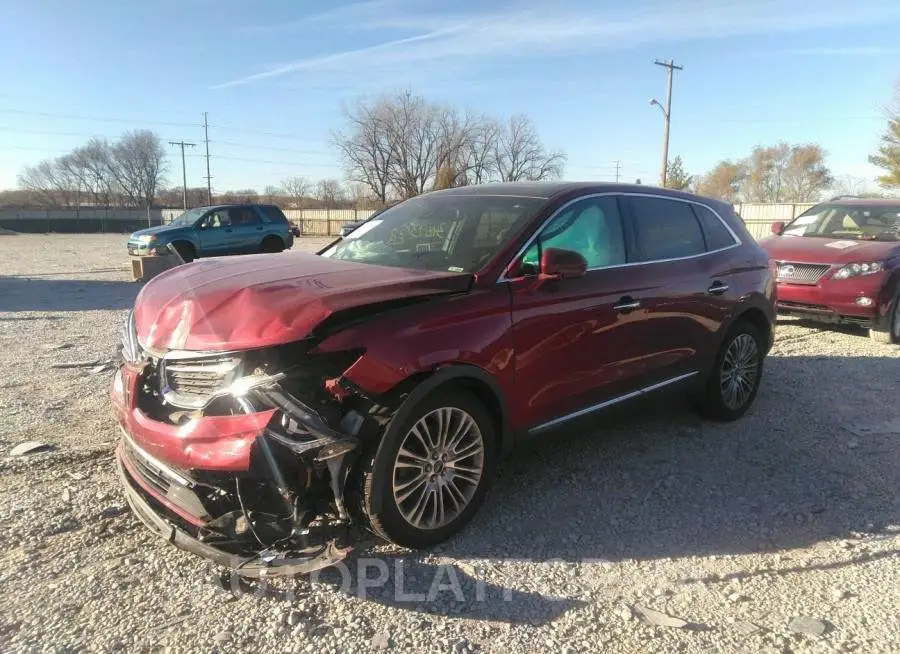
836 301
254 567
184 481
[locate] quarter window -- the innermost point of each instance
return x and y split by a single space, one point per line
717 235
590 227
666 229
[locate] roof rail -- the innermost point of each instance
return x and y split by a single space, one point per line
844 197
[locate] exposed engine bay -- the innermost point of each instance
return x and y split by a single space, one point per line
287 511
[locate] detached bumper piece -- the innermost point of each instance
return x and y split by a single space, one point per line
263 565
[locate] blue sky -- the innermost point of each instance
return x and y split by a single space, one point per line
273 76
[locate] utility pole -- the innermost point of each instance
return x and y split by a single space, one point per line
206 141
183 145
618 163
667 114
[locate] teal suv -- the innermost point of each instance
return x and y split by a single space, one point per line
216 231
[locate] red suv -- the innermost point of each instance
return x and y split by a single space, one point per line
273 406
839 262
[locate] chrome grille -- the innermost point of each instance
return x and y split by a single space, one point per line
800 273
148 472
190 380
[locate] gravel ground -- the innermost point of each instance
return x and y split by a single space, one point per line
657 533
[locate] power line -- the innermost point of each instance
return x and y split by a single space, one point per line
617 170
183 145
106 119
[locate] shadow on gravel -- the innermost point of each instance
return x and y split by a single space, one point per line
849 330
656 482
39 294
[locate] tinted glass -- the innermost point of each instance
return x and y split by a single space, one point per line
717 235
449 232
272 214
666 229
591 227
243 216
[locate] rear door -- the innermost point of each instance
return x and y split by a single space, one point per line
246 230
683 297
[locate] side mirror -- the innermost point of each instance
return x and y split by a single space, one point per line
778 227
557 263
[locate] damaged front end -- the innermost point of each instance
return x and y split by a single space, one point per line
244 458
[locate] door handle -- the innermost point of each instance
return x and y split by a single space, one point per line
626 303
717 288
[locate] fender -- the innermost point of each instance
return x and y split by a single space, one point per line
448 374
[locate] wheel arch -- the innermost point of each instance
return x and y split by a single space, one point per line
410 392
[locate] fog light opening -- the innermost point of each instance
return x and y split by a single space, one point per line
865 301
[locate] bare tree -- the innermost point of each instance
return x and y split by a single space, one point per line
271 193
241 196
724 181
91 163
329 192
520 156
366 147
138 164
403 145
48 185
296 188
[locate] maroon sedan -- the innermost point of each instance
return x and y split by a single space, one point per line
274 406
839 262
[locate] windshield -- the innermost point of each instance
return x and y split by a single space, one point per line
188 218
441 232
862 222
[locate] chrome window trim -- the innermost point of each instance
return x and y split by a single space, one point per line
610 402
530 241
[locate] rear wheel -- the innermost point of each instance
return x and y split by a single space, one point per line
433 472
734 380
271 244
892 333
185 250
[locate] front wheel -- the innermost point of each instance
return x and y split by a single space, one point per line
734 380
892 334
432 473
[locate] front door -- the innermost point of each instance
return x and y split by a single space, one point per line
578 341
216 235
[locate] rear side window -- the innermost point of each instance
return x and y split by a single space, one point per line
272 214
717 235
243 216
665 229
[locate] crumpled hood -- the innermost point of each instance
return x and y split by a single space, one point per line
813 249
260 300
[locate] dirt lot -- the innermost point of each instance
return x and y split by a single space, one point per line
778 533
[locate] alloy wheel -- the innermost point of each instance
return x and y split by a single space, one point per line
438 468
740 371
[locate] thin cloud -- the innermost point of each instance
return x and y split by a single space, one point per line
318 63
478 37
847 51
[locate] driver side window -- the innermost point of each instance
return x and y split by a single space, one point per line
591 227
217 219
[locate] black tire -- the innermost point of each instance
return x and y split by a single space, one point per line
379 474
712 400
892 334
185 250
271 244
